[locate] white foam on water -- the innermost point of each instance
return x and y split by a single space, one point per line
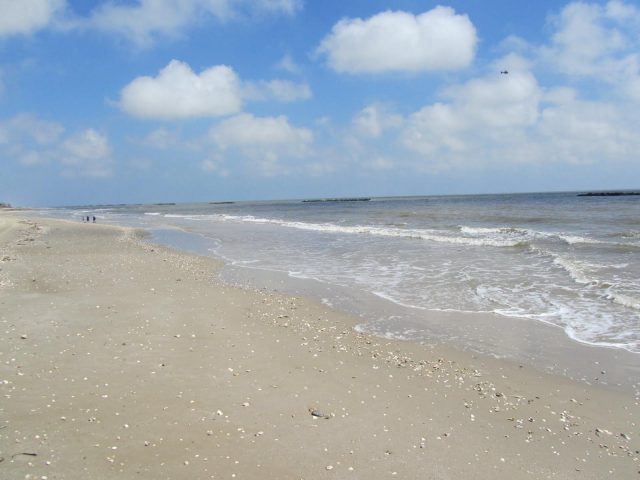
417 234
563 285
576 269
391 298
625 300
495 230
327 302
527 235
575 239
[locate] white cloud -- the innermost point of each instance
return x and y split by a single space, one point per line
31 158
87 153
598 42
139 21
31 141
41 131
478 116
287 91
498 101
145 20
178 92
246 130
215 166
621 11
510 119
585 132
288 7
27 16
26 128
161 139
581 40
374 119
438 39
87 145
263 140
287 64
281 90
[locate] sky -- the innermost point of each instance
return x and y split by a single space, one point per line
142 101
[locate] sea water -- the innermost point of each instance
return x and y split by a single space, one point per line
559 258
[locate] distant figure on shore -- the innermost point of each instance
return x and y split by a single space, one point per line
94 219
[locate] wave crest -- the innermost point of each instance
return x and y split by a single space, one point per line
417 234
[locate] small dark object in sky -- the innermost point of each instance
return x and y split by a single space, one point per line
504 72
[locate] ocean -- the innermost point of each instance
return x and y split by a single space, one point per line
565 260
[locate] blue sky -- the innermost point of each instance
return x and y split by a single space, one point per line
201 100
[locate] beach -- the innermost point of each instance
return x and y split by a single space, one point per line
124 359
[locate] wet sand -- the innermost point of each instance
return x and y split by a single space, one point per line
120 359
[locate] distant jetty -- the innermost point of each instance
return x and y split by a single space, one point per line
164 204
322 200
607 194
221 203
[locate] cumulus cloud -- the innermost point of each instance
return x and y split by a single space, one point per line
510 119
585 132
144 20
25 128
479 113
399 41
374 119
27 16
32 141
29 139
247 131
527 117
87 153
264 140
178 92
597 42
139 21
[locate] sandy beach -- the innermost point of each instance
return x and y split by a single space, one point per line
121 359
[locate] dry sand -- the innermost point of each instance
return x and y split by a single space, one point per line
120 359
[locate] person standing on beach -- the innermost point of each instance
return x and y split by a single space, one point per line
94 219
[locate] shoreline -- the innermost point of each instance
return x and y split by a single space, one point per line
539 344
136 360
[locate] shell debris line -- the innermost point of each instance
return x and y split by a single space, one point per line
122 359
